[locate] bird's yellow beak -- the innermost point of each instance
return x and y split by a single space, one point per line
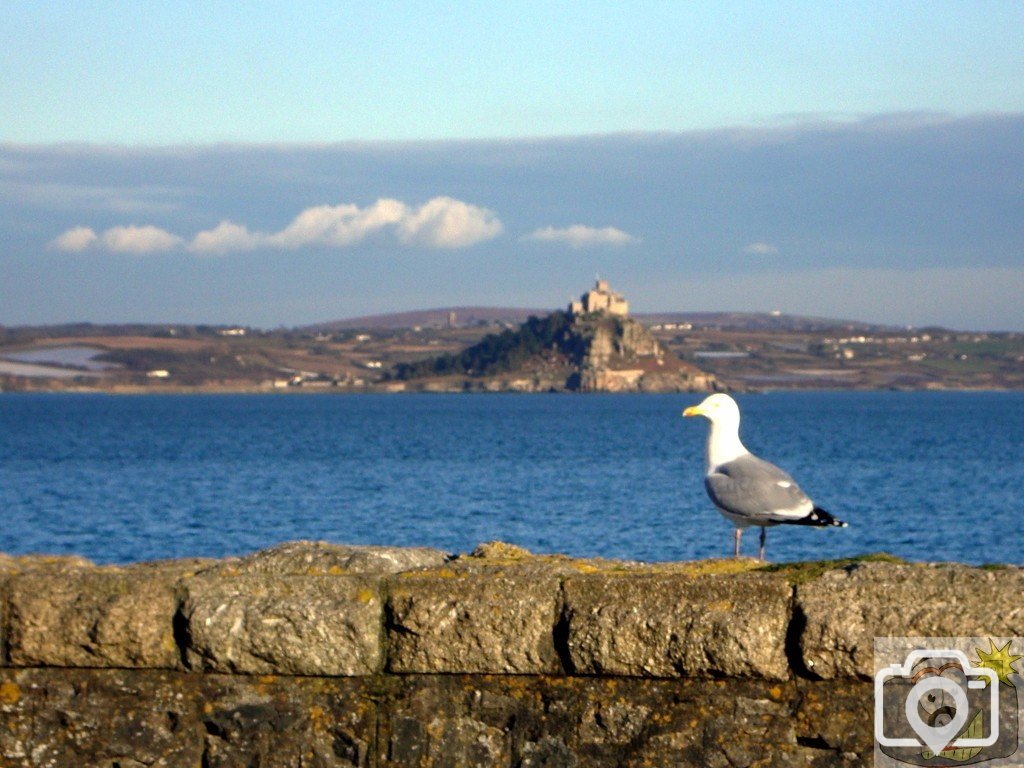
693 410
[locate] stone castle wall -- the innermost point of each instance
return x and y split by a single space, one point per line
312 654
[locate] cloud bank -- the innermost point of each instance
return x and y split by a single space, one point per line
581 236
905 193
441 223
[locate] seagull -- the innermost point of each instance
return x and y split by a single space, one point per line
746 489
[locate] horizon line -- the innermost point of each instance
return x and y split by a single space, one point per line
774 124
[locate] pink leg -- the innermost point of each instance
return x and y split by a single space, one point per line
736 542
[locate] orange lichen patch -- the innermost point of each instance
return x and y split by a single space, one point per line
318 717
436 573
10 693
365 595
266 685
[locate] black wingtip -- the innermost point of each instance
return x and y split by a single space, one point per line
826 518
819 517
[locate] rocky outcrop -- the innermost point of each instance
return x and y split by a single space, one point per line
312 654
620 355
595 352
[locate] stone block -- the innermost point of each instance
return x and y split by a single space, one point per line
492 621
79 616
272 624
839 614
675 625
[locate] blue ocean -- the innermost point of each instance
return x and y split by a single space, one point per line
923 475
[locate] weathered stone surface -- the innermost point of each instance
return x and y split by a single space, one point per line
450 620
88 717
597 722
73 616
675 625
493 611
835 715
127 718
840 613
265 624
323 558
10 564
78 717
286 722
96 717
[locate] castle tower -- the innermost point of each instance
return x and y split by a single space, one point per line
600 299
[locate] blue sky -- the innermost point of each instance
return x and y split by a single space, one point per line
162 73
286 163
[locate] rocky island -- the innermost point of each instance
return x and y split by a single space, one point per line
315 654
593 346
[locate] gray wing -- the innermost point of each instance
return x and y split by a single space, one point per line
752 487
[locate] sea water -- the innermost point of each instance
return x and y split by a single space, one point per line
925 475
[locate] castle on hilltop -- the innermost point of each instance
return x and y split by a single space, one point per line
600 299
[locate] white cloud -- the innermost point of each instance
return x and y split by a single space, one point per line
444 222
581 236
338 225
225 238
75 240
761 249
139 240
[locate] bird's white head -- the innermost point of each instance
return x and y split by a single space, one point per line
719 409
724 438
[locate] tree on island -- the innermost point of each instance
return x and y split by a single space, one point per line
500 352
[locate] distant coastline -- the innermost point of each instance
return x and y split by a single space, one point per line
755 351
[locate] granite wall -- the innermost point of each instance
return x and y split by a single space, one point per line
311 654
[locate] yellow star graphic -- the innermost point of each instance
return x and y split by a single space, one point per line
999 660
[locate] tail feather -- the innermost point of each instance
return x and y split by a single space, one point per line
820 518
